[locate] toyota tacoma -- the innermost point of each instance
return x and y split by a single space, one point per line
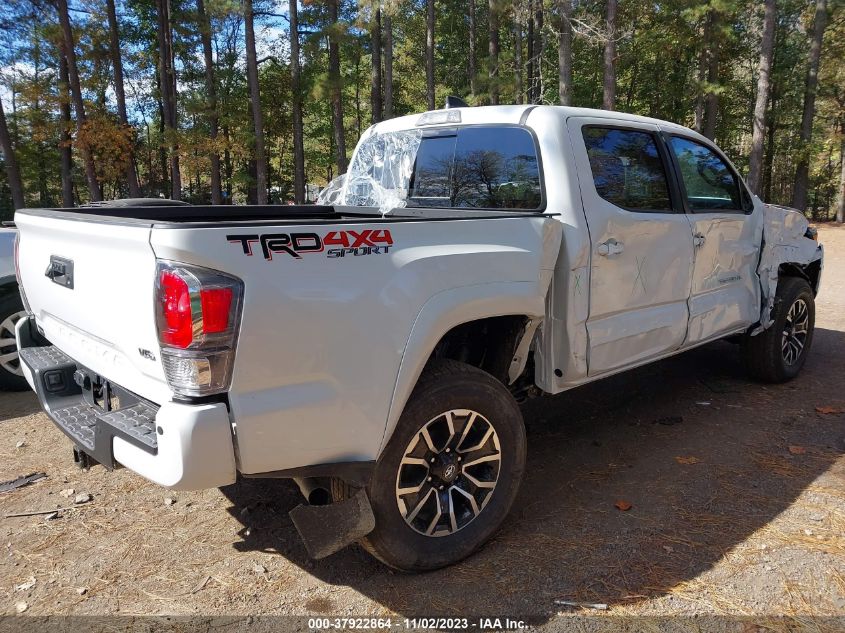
374 349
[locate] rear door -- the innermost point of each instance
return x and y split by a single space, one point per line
642 250
725 294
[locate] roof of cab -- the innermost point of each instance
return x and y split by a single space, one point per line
513 114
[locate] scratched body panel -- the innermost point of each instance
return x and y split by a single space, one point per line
639 275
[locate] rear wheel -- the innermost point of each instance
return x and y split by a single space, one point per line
449 474
779 353
11 374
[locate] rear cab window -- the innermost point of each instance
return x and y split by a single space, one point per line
480 167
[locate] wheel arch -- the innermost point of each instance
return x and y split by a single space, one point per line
502 312
810 272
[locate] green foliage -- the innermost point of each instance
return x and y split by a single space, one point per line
659 47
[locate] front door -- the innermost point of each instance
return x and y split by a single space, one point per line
725 295
641 240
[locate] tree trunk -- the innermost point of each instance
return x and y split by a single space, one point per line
211 97
120 96
609 83
388 66
296 107
564 53
65 156
767 48
375 76
519 85
529 65
538 52
167 88
336 90
711 98
769 154
79 106
255 101
44 197
228 167
13 175
358 89
472 67
493 52
802 173
429 54
840 209
701 77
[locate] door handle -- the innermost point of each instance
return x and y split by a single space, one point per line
698 240
610 247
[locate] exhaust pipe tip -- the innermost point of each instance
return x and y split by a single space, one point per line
314 490
319 497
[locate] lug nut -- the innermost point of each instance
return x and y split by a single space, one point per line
432 460
441 487
429 479
448 449
459 458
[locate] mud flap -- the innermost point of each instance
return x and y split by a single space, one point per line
329 528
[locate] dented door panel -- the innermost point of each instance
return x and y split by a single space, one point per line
640 272
725 288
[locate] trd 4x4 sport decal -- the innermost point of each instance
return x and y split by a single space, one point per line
354 243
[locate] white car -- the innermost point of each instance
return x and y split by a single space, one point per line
11 310
375 350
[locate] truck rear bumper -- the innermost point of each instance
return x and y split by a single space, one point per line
181 446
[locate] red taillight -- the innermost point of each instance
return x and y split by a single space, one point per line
175 305
198 314
216 307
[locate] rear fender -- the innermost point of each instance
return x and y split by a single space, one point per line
451 308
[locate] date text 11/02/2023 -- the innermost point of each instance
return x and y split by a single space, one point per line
420 623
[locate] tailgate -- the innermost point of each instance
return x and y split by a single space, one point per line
106 320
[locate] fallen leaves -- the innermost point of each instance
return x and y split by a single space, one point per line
623 505
830 410
797 450
689 459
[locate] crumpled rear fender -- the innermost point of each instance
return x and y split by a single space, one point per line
784 242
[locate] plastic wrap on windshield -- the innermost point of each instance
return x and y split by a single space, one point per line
380 172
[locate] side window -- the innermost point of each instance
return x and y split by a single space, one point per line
710 184
627 168
478 167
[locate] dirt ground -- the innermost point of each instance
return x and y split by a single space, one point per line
737 494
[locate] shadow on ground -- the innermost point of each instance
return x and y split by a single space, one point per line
18 404
617 439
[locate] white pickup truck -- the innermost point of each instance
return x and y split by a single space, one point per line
375 350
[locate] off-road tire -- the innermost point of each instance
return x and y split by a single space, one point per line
445 385
10 304
763 354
